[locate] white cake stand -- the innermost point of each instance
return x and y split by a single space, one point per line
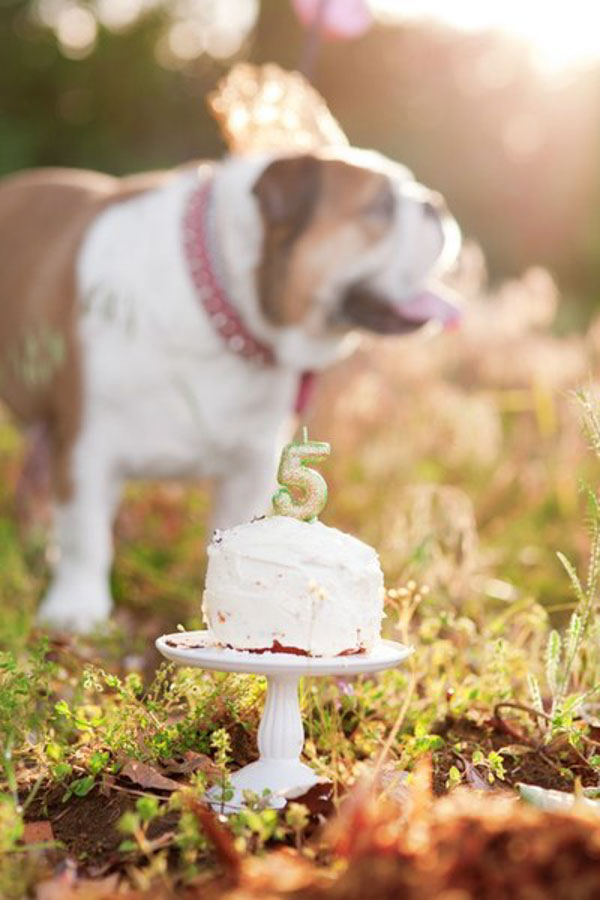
280 734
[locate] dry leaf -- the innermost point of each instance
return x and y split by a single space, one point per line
146 777
473 778
194 762
67 886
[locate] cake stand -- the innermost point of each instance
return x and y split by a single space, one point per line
280 734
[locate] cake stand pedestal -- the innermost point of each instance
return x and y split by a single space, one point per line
280 735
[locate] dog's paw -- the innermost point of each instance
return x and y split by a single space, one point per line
78 607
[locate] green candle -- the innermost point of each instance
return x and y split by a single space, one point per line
310 488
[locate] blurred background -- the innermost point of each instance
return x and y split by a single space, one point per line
494 104
460 459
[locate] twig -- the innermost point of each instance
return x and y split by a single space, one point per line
530 710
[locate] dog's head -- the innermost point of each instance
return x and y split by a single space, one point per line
350 241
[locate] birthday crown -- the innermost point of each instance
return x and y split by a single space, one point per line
261 108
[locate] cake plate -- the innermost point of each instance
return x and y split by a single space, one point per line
280 735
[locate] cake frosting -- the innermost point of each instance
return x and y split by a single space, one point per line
286 585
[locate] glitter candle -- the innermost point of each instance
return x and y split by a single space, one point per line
304 491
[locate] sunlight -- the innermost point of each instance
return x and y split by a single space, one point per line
561 36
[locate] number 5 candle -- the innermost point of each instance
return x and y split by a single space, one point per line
303 494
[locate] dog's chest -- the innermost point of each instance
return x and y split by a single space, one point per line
163 395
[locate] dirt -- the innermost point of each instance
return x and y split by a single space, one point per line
85 825
524 760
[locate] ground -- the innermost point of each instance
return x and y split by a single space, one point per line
465 473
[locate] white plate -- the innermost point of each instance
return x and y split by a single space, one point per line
198 648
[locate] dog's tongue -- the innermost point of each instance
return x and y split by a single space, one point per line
427 306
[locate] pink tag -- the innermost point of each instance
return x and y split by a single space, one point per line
339 18
306 386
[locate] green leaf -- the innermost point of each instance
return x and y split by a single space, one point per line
454 777
147 808
62 771
97 762
553 654
62 708
129 822
574 578
82 786
535 693
128 846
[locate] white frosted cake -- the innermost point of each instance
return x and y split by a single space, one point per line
281 584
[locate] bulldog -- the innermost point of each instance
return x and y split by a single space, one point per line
163 326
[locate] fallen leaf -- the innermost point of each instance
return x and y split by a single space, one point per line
193 762
146 777
318 799
476 780
67 886
38 832
219 836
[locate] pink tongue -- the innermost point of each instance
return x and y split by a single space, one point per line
426 306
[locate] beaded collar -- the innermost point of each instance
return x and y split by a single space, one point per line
201 250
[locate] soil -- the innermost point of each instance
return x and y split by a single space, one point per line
525 761
87 826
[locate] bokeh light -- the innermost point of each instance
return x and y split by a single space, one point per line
215 27
76 30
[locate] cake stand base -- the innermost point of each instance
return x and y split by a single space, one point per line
278 775
274 780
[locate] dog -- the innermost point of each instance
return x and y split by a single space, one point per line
165 325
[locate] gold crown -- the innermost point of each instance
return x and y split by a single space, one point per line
262 108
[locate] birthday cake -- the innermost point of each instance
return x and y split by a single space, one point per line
284 585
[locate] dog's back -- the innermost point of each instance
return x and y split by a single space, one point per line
43 218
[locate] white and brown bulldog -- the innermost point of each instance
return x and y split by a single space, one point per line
159 326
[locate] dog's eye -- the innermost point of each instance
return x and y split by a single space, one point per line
381 206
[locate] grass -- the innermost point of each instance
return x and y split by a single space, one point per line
461 460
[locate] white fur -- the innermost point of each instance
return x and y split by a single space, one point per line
163 398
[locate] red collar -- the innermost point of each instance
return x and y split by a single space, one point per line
200 244
200 248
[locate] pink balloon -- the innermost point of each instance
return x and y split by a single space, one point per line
339 18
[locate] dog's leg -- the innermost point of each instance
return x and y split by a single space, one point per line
244 494
79 596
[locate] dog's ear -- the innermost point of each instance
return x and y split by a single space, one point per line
287 192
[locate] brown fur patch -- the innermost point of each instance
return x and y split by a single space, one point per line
316 218
43 217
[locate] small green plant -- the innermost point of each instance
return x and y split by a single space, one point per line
455 777
25 708
254 827
297 818
221 744
493 763
11 823
135 825
564 656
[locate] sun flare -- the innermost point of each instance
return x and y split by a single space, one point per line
561 36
